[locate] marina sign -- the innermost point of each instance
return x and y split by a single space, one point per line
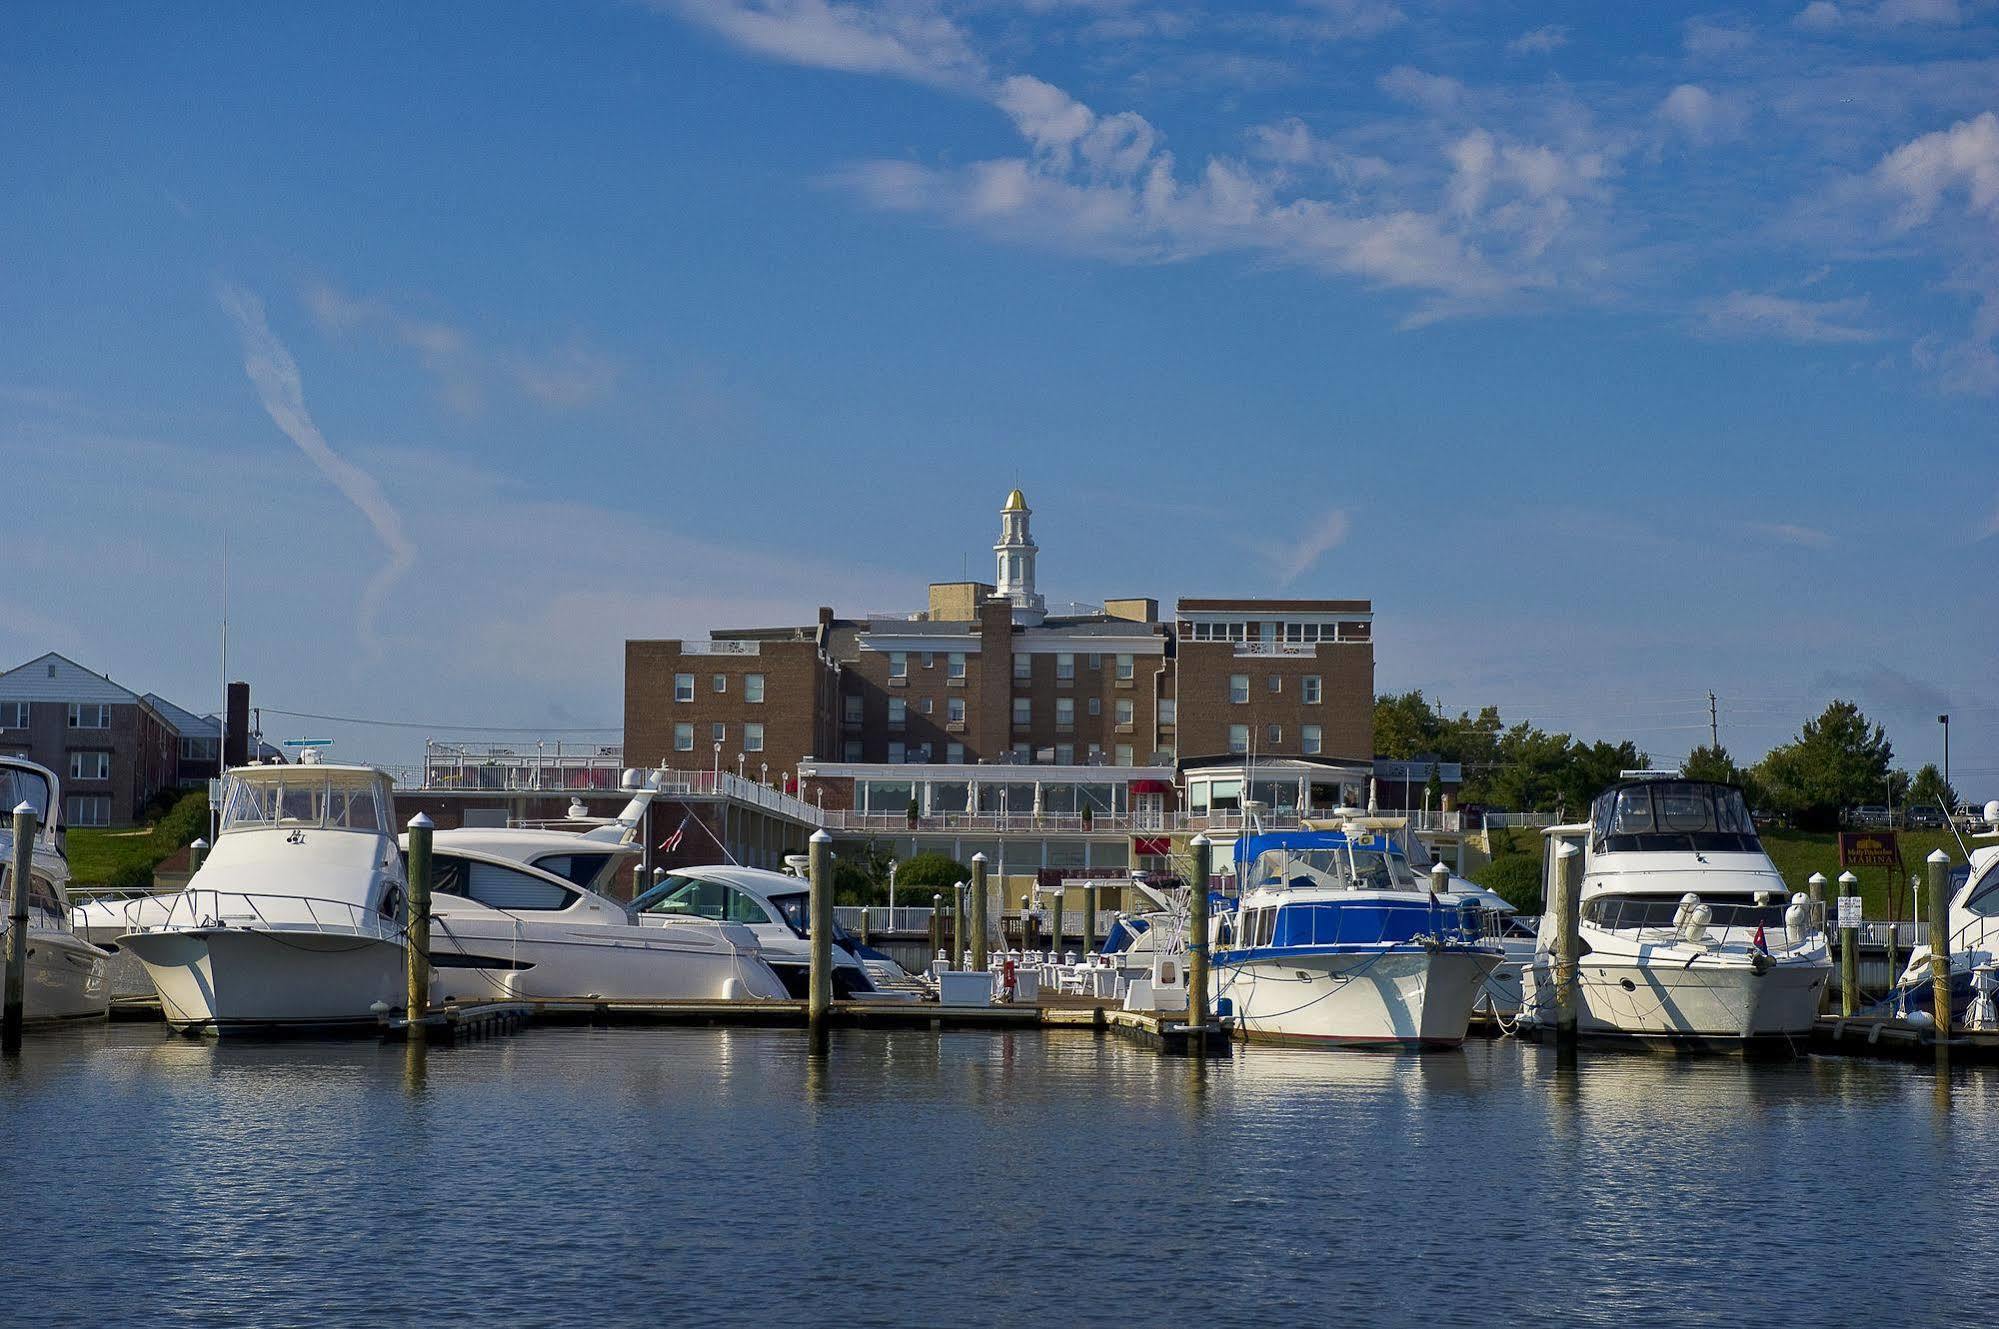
1869 849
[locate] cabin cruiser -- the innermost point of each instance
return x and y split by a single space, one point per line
1974 941
1336 941
65 974
776 909
295 920
1689 936
527 913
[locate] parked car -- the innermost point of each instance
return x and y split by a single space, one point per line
1871 817
1924 817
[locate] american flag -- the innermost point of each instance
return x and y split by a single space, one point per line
672 842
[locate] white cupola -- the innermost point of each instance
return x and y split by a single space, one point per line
1016 550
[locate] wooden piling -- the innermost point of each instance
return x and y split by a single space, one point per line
1815 888
1089 921
1197 937
19 873
820 1003
1565 901
1055 923
1937 865
1849 953
196 853
1440 879
977 920
416 940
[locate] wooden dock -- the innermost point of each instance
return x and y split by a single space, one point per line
1899 1040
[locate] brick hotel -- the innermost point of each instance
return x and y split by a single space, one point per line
989 715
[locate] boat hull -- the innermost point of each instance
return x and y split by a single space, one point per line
1402 996
552 962
1685 1007
65 978
270 981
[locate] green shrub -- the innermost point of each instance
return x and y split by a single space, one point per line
1516 878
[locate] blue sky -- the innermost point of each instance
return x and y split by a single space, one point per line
1618 353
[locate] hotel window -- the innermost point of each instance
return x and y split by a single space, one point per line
1273 734
753 738
895 753
1124 754
1276 683
683 687
1065 667
1065 712
954 664
1125 666
854 705
1096 660
1294 632
753 688
954 753
1125 710
89 715
929 659
1167 707
851 750
927 706
1309 687
1308 739
90 766
1266 630
718 732
721 683
1096 706
898 712
683 738
1239 689
87 810
954 710
1238 738
1023 710
1065 754
898 664
1023 668
13 715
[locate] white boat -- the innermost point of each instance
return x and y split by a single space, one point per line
526 913
775 908
65 974
1334 941
1973 928
294 921
1690 938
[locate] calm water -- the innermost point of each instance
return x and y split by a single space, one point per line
579 1176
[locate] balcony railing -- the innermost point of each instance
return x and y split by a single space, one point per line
1102 823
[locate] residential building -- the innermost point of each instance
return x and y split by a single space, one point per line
111 747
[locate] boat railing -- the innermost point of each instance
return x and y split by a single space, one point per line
205 908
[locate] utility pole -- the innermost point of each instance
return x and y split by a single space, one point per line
1713 724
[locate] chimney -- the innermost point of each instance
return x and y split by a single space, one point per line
236 750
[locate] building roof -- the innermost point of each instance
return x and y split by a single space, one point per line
54 677
185 723
1253 605
1015 502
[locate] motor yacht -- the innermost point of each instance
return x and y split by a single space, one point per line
527 913
1689 936
776 909
294 922
1336 941
1973 928
65 974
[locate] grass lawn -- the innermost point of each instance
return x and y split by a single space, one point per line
1798 854
127 856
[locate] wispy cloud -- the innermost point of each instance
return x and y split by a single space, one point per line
1703 117
1543 40
1293 559
1753 314
274 374
911 40
569 376
1826 16
1714 39
1808 537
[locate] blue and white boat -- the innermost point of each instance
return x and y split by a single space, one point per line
1334 940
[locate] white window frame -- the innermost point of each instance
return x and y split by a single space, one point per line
1124 755
954 710
753 689
101 710
98 803
897 753
1065 712
1023 667
1311 740
898 664
1065 667
1127 711
753 736
683 687
954 665
1023 711
954 754
683 736
721 684
1127 666
99 762
1311 688
15 714
1238 689
898 713
1239 738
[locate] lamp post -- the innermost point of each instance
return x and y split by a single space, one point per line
891 893
740 759
718 765
763 772
1944 720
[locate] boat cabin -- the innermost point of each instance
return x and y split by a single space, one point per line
1669 814
307 797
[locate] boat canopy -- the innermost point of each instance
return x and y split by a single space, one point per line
346 798
25 782
1658 815
1323 860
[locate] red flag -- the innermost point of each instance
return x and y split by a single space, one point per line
1761 944
672 842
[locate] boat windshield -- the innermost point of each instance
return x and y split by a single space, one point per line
19 785
305 797
1984 897
1666 815
1339 869
1627 912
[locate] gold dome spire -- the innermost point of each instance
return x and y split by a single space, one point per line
1015 502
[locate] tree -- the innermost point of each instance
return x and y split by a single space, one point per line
1593 769
1837 761
860 873
931 871
1929 787
1715 763
1405 727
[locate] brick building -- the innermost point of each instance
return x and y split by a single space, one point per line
112 748
986 676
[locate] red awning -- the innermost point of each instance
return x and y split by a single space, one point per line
1150 846
1151 786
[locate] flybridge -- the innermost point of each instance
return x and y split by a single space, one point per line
1674 774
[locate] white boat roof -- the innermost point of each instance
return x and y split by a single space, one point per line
523 844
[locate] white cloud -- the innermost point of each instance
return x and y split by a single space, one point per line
1437 93
1751 314
912 40
1294 559
1712 39
1543 40
1701 116
1922 171
1829 16
274 374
